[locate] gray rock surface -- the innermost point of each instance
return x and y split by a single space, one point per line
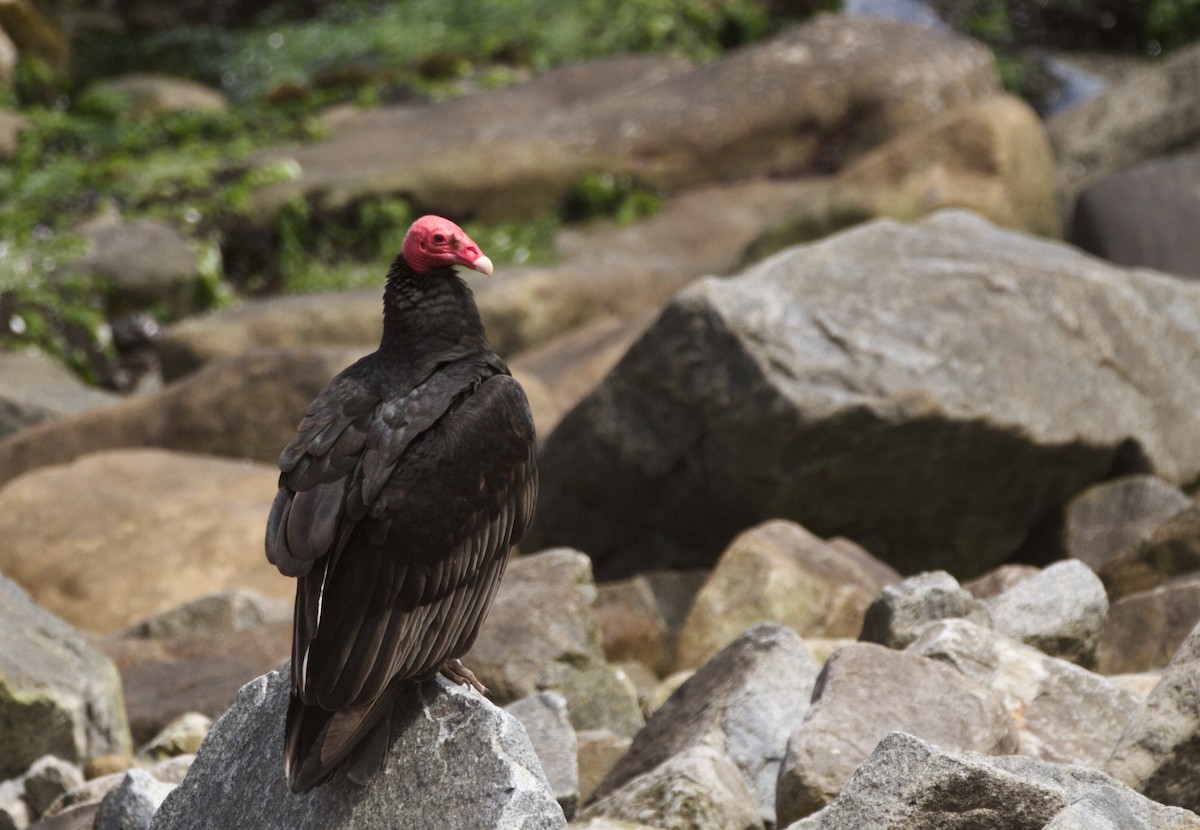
455 761
47 779
57 695
544 716
812 386
698 787
34 388
744 703
1106 519
131 804
1141 216
901 612
1062 712
1143 630
1060 610
1158 754
145 263
221 612
866 691
908 783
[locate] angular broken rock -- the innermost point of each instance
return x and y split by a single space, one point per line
699 787
57 695
866 691
544 716
813 385
455 761
780 572
909 783
1060 610
1107 518
1144 630
901 612
131 804
744 702
1158 754
1063 713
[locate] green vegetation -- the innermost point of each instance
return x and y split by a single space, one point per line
85 151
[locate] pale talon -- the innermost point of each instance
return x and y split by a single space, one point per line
460 674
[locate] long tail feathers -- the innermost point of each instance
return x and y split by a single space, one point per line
317 742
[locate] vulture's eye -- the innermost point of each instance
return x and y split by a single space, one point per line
438 238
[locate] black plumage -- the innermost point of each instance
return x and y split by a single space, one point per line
410 478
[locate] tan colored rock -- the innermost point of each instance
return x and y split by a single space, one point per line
991 156
1172 550
1144 629
34 389
151 95
631 626
245 407
11 124
147 529
780 572
1109 517
598 750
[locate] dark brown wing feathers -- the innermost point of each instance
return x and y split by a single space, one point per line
398 513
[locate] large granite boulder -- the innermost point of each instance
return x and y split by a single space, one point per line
245 407
806 99
57 695
934 392
148 529
455 761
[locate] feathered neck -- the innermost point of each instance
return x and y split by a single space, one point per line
429 315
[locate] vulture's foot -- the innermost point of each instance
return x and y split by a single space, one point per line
460 674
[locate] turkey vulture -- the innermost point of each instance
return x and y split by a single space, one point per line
410 478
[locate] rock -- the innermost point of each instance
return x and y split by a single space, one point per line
571 364
832 371
998 580
35 34
698 787
1139 216
1158 754
47 779
57 696
1143 630
181 736
542 615
675 591
807 98
245 407
991 156
351 319
143 264
1063 713
132 803
632 627
599 696
1111 516
779 572
11 124
866 691
235 609
1153 112
544 717
151 95
598 751
907 782
14 812
166 679
1060 610
901 612
743 703
150 529
34 389
1171 550
455 760
93 791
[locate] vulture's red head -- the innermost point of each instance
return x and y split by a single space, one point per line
434 242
